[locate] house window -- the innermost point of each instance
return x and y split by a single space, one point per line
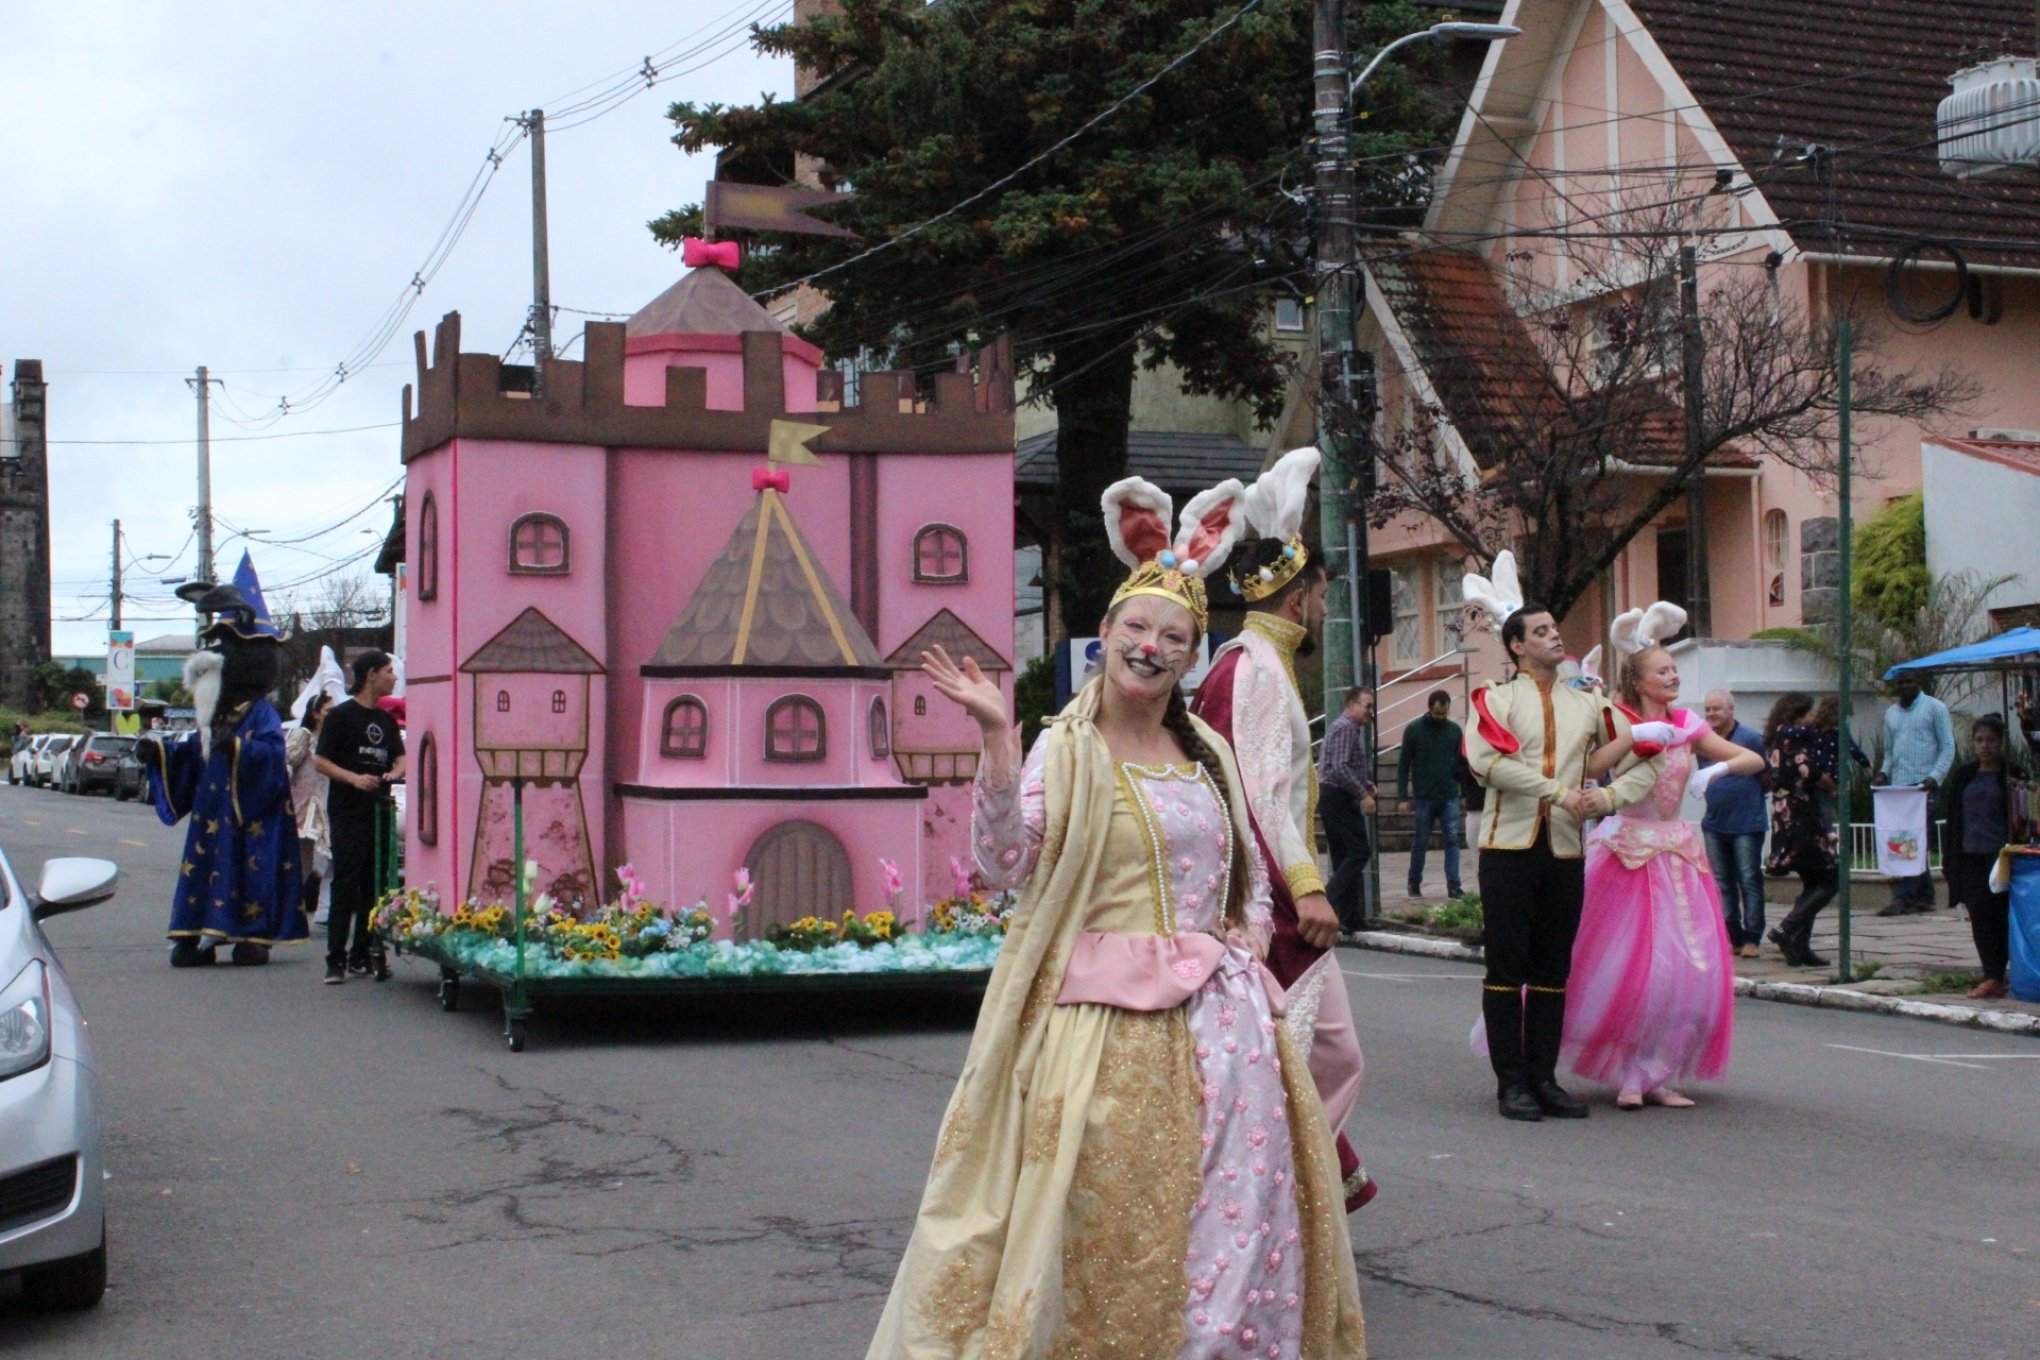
881 730
684 732
502 701
1402 595
428 549
538 545
1449 599
794 730
941 553
1289 314
920 705
428 790
1777 539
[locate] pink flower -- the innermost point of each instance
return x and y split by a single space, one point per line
1201 1318
1275 1259
1232 1045
1231 1208
893 887
1291 1237
1260 1167
1204 1053
1293 1301
1239 1241
1227 1015
960 872
1258 1136
1229 1174
1249 1337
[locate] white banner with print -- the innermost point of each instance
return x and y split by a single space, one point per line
1901 812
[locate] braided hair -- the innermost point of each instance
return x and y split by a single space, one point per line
1176 721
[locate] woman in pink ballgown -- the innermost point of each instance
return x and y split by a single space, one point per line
1652 990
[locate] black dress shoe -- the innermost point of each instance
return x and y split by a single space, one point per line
1553 1100
188 954
1787 946
1809 959
1517 1103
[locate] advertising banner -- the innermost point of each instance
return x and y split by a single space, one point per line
120 672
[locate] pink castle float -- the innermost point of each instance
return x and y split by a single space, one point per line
692 663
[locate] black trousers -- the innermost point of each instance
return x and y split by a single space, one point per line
1990 914
1817 889
1531 901
1346 831
352 892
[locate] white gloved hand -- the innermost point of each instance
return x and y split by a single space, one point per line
1697 786
1657 731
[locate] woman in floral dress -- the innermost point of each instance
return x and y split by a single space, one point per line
1135 1162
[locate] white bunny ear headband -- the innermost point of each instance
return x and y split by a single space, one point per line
1274 509
1498 596
1137 526
1638 630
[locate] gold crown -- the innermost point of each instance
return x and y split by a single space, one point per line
1259 585
1164 578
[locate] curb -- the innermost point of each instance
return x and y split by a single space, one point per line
1791 993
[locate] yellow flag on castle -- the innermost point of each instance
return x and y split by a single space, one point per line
788 443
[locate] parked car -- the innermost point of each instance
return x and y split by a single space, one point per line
21 767
130 776
46 758
90 765
52 1210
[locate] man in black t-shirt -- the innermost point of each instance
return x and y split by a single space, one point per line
361 752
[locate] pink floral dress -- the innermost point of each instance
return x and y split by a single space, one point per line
1245 1263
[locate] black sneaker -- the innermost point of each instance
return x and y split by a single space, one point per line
335 975
358 967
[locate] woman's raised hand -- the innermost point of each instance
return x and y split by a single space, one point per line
968 687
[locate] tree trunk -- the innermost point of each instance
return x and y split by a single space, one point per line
1094 405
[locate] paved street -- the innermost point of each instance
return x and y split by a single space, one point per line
334 1172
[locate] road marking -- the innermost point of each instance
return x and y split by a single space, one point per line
1945 1059
139 845
30 821
74 831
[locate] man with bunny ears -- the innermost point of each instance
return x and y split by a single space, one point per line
1528 742
1250 696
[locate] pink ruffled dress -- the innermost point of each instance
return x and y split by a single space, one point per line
1652 994
1245 1264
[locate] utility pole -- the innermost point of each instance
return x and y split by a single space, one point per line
1845 341
1692 356
202 517
541 271
113 612
1331 84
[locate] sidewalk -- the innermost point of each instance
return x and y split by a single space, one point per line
1907 958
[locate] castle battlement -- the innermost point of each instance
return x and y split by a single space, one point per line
474 396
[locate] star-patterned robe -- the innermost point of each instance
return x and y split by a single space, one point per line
239 881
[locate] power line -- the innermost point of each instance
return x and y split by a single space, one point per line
230 438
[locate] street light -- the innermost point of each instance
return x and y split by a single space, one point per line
1342 524
1446 32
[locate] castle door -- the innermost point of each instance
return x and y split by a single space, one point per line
800 869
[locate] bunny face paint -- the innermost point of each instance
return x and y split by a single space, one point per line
1150 645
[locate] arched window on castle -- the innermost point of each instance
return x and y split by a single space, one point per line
428 790
428 548
881 729
538 545
941 555
795 730
684 731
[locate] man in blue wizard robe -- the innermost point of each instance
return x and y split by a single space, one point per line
239 881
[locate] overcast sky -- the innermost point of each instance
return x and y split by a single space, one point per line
250 186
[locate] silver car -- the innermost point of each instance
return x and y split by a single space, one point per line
52 1207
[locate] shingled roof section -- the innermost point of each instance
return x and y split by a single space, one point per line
1487 370
953 636
532 643
704 302
1181 464
766 602
1864 78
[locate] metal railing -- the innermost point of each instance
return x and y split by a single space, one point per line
1863 846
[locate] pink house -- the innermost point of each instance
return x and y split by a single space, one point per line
680 661
1790 141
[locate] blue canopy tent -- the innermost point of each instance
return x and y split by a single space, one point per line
2015 650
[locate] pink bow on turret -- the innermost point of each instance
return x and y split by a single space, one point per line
695 252
762 478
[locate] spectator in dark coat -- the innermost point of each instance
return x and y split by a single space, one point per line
1427 784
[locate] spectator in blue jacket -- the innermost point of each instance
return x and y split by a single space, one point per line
1919 748
1733 830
